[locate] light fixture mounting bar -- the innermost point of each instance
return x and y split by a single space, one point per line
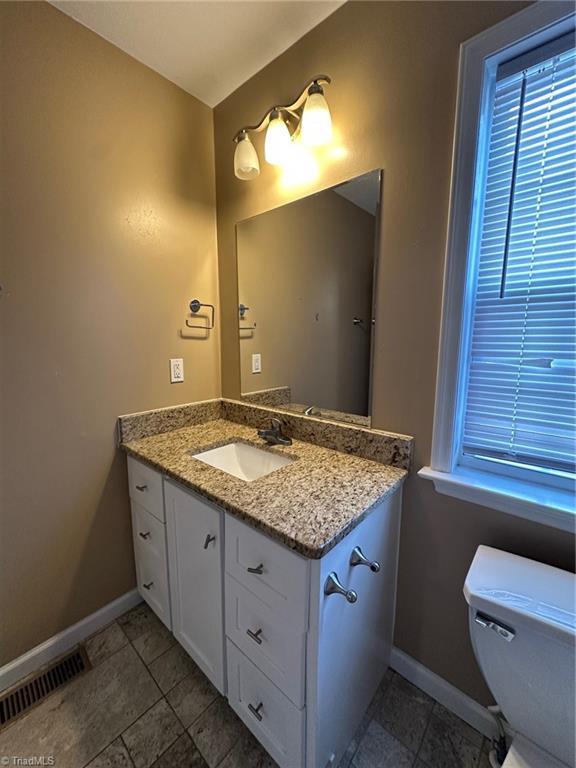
292 108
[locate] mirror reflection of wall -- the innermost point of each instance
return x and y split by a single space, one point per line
306 275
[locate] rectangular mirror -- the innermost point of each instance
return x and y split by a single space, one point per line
306 278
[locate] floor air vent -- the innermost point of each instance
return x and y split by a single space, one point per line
32 690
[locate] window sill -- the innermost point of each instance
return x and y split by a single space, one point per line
538 503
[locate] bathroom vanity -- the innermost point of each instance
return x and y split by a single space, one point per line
282 589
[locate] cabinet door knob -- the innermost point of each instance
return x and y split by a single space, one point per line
359 558
209 539
141 487
259 569
256 710
144 535
332 586
255 635
149 585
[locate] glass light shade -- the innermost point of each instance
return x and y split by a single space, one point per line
277 142
316 121
246 165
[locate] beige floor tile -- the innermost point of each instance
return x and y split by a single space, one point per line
445 747
114 756
247 753
152 734
192 696
217 731
182 754
379 749
77 722
106 642
172 667
146 632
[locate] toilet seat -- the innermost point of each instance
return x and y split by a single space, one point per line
524 754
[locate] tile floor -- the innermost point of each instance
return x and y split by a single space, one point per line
145 704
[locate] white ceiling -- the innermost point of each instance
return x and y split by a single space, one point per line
207 47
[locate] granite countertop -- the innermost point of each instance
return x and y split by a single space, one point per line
309 505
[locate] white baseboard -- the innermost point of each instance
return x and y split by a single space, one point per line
62 642
445 693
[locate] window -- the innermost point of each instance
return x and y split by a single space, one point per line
520 402
505 422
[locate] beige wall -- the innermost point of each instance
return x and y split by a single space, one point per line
394 69
108 230
305 270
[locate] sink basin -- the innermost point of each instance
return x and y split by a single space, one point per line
244 461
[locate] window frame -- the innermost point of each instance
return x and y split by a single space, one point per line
480 57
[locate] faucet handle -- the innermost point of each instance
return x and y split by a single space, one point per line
276 423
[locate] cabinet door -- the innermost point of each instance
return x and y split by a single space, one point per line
195 563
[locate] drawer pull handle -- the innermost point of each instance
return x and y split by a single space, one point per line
256 711
332 586
259 569
144 535
255 635
149 585
141 487
359 558
209 539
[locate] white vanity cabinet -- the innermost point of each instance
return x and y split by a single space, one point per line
299 646
304 665
195 560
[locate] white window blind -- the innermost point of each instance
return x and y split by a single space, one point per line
520 399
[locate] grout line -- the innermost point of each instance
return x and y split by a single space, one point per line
424 738
121 734
150 675
186 727
126 748
117 738
198 746
178 736
227 753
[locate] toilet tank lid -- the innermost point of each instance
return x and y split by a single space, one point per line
523 591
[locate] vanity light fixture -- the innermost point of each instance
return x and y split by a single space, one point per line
277 141
246 165
306 120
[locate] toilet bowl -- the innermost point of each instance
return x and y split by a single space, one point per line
522 624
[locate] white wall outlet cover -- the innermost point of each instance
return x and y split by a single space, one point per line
176 370
257 363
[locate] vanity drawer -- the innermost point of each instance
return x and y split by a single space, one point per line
264 636
272 718
151 563
146 487
149 534
272 572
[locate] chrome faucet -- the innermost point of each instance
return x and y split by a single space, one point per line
274 436
312 411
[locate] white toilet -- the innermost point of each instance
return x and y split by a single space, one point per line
522 618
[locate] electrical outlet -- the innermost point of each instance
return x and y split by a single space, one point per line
176 370
257 363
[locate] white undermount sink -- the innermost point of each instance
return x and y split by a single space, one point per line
242 460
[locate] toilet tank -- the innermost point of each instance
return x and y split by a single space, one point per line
523 627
